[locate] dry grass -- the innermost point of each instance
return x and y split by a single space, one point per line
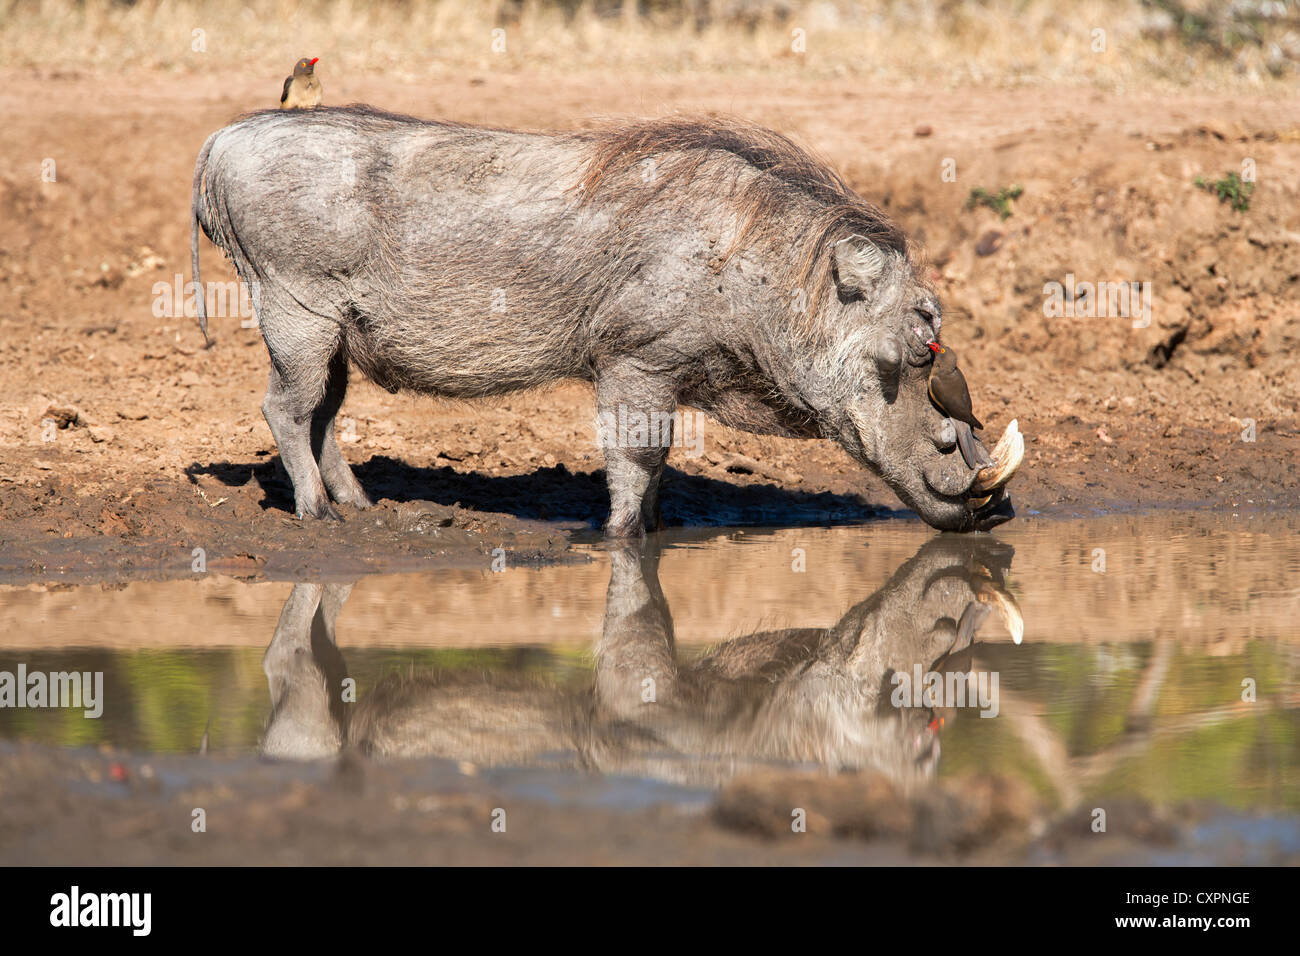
930 43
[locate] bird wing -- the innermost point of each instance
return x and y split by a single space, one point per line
288 81
962 399
958 405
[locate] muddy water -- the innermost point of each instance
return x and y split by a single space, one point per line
1111 654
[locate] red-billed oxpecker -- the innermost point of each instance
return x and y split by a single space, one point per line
302 91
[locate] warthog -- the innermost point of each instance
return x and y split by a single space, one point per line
704 263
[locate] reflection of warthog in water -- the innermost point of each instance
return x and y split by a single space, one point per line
808 695
702 263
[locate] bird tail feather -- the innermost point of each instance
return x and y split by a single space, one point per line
972 449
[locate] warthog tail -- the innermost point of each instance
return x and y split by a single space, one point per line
196 206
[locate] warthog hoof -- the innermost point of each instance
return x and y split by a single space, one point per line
325 510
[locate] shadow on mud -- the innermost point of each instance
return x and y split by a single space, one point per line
557 494
799 696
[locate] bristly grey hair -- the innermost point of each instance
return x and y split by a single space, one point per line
764 177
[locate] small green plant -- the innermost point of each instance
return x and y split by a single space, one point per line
1229 189
999 202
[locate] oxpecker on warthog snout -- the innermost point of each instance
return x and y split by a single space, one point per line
706 263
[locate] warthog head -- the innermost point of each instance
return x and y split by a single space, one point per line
878 368
824 296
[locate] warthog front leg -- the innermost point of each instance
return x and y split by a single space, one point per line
635 427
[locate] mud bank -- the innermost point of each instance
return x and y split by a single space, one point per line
242 526
92 808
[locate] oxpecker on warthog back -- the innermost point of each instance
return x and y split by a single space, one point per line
706 263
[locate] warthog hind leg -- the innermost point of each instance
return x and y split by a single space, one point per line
291 424
302 351
334 469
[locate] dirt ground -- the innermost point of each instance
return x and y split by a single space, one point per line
125 445
87 808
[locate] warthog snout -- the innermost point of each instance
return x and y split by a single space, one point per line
946 492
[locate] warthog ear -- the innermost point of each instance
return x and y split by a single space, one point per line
859 262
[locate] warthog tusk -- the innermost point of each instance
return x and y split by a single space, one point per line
1007 456
1007 608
